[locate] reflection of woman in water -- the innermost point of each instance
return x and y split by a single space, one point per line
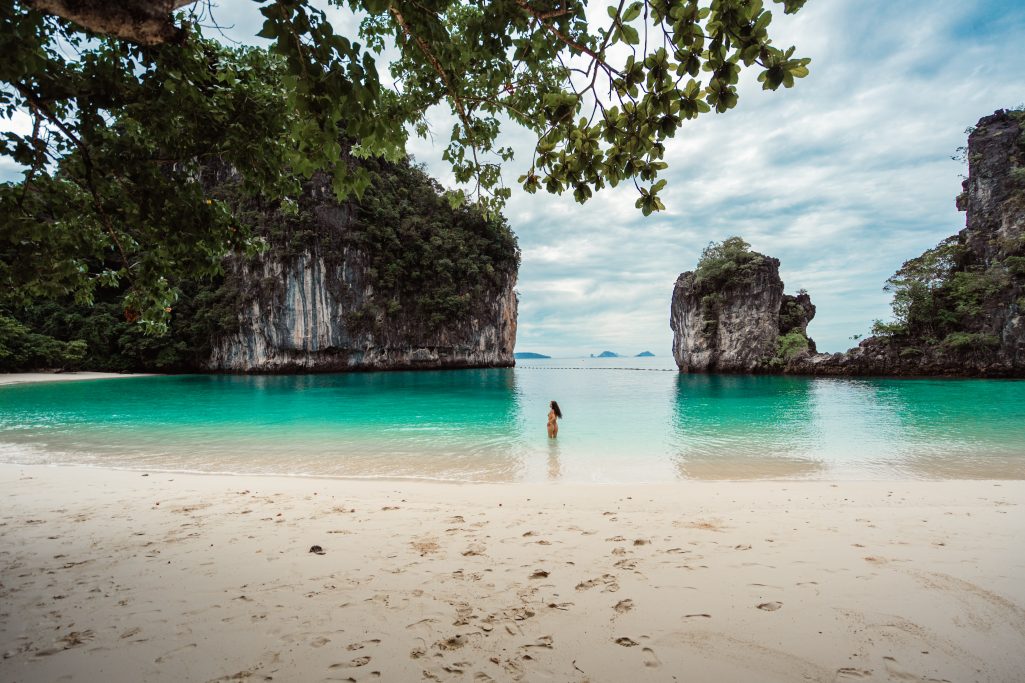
554 415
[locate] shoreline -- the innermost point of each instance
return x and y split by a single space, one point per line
14 378
126 575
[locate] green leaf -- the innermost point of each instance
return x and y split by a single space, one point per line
633 11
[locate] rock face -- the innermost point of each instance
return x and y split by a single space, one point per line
301 321
309 303
735 328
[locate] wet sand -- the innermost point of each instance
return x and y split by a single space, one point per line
123 576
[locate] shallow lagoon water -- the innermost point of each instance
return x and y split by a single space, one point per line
625 420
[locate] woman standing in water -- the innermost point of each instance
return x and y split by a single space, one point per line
554 415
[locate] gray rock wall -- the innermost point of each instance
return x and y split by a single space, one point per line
299 320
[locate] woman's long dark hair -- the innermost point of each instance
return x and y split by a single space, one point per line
555 407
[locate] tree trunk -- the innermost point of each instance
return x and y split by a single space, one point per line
146 22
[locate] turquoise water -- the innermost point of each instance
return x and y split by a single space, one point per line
644 424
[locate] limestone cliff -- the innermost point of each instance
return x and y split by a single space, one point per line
302 320
732 317
387 283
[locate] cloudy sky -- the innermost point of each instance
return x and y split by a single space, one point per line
842 178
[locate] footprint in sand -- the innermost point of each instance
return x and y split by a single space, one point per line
624 606
319 642
542 642
770 606
651 660
627 642
607 579
463 614
351 664
76 638
453 643
352 647
425 545
706 525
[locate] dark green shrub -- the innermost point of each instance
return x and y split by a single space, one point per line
971 340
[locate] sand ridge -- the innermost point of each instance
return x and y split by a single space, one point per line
123 576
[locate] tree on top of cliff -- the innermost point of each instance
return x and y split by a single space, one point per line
123 98
727 263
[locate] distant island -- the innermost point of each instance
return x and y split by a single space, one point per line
529 354
645 354
606 354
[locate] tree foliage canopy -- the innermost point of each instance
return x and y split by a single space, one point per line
941 295
121 123
725 264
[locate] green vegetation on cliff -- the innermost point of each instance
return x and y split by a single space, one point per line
726 264
427 263
427 260
943 295
940 295
788 347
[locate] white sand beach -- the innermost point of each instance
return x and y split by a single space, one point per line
28 377
130 576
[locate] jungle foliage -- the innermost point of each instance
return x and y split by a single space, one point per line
941 295
429 262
